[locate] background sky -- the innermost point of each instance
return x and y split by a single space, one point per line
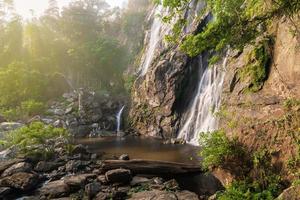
23 7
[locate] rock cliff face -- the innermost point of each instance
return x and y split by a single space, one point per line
260 106
269 117
160 97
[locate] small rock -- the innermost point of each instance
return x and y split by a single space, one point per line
171 185
292 193
55 189
158 180
69 110
94 156
102 179
76 165
19 167
8 163
124 157
78 180
138 180
155 194
79 149
43 166
10 126
102 196
92 189
118 176
22 181
184 195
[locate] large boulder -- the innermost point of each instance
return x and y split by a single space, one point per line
119 176
8 163
19 167
76 181
22 181
55 189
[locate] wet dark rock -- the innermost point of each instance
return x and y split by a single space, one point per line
22 181
118 176
158 180
124 157
55 189
92 189
19 167
120 193
43 166
4 191
79 149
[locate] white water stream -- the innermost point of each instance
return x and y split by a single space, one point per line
205 103
119 119
154 40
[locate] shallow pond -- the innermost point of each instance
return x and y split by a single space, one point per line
142 148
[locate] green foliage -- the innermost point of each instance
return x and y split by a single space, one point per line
129 81
32 107
235 22
251 191
32 140
291 102
217 148
257 67
18 84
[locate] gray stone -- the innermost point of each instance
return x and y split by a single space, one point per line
10 126
118 176
92 189
124 157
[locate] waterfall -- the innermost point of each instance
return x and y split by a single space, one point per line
205 103
119 117
154 40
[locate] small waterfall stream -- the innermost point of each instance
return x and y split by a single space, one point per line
119 119
206 102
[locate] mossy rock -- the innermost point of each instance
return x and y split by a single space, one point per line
256 71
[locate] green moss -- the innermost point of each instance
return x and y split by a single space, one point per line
257 66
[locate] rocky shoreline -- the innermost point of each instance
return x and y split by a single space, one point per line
80 175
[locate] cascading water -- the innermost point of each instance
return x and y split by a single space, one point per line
153 42
206 101
119 117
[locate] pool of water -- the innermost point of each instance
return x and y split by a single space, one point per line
142 148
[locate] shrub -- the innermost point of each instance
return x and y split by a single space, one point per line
32 107
34 139
217 148
251 190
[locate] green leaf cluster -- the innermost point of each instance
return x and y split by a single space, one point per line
34 139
